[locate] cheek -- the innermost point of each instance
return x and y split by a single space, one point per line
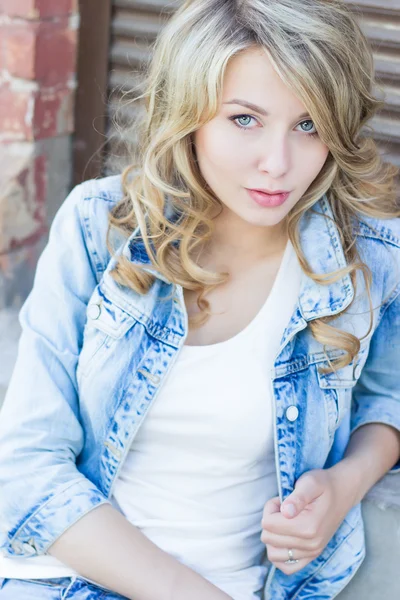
321 157
309 164
216 147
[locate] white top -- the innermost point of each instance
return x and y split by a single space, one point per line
202 466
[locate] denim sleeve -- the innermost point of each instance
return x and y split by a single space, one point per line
42 493
376 395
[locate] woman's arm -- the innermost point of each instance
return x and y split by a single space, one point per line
376 395
312 513
104 547
372 451
45 500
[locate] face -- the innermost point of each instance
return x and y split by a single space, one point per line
243 148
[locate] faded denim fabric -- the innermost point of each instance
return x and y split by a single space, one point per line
62 588
93 356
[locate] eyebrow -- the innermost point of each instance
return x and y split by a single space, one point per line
256 108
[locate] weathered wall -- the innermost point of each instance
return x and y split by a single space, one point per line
38 40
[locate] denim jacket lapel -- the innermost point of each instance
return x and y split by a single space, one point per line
320 240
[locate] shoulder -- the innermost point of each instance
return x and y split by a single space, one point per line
105 190
378 241
381 230
97 197
93 200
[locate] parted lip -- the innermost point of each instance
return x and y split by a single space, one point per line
269 191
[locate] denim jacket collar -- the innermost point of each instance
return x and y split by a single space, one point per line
320 240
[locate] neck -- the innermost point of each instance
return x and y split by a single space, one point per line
236 244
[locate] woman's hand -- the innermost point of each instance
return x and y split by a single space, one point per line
307 519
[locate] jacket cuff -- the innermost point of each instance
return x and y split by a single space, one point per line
53 518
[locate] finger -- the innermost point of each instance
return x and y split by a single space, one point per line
273 506
290 569
286 541
302 526
307 489
280 555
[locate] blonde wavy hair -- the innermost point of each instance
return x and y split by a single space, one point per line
321 54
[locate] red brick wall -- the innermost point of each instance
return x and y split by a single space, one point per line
38 40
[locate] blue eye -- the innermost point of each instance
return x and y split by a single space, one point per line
312 133
237 118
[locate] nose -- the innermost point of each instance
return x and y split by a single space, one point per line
274 156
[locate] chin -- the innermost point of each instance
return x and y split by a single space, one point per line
257 221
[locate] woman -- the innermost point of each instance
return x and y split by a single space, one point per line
200 404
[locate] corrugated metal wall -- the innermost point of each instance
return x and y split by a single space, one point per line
136 23
380 20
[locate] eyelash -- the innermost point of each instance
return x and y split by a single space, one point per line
235 117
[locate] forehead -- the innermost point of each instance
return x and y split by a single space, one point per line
251 76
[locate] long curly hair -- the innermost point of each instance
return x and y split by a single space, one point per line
321 54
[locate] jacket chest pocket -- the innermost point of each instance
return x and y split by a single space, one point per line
106 323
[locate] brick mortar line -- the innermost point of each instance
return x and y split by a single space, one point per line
7 20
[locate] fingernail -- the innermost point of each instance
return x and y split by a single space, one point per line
290 509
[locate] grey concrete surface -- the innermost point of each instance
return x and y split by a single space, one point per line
58 151
378 576
17 267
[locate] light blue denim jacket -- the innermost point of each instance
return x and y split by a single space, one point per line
93 356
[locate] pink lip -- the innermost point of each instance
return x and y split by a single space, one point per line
271 192
271 200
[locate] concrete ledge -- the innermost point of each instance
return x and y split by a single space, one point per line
378 576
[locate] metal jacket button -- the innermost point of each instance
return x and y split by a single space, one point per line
17 547
94 311
292 413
